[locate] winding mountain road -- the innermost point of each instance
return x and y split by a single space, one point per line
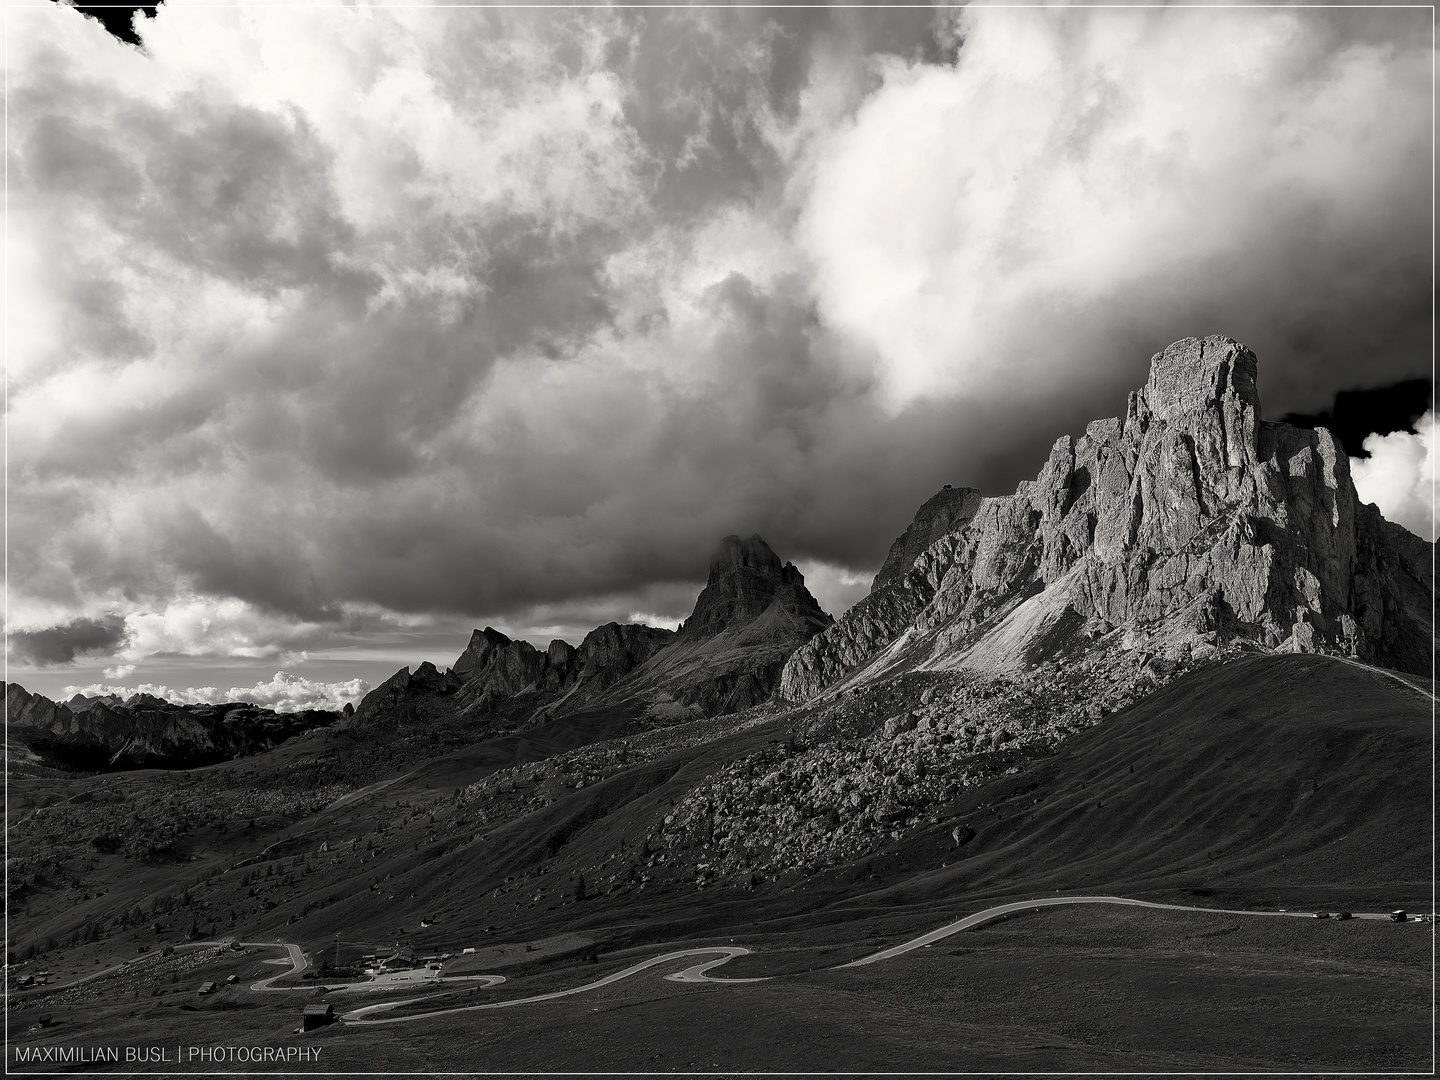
1382 671
718 955
362 1015
298 963
991 914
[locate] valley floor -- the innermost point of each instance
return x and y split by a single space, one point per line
1265 784
1092 988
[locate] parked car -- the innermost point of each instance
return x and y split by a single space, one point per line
1397 915
1342 914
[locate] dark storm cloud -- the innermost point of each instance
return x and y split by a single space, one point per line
1357 414
62 644
509 315
118 19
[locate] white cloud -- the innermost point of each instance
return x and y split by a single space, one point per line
119 671
284 693
1399 476
836 588
215 627
979 226
648 619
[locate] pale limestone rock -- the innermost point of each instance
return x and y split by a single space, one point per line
1191 521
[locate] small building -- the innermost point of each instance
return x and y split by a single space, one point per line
316 1016
231 980
208 988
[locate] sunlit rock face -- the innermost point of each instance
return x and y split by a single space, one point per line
1188 525
947 510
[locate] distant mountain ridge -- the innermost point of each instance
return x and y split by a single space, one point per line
1187 526
1185 530
753 612
97 733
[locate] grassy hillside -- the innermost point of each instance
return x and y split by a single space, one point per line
1268 782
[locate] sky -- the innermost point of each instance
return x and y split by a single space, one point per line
336 331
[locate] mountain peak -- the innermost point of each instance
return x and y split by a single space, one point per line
1189 527
735 554
1195 374
746 578
482 644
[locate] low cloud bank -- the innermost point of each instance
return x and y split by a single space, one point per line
285 693
1399 476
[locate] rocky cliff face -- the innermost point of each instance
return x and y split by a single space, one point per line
105 733
612 651
495 671
493 664
949 509
1186 526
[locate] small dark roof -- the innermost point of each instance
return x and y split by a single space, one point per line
319 1010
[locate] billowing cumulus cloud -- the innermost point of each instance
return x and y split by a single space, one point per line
284 693
1399 476
1082 180
501 315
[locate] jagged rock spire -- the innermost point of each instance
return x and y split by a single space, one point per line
1190 519
746 579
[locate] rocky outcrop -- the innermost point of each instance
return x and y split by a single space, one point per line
869 626
612 651
494 666
498 675
1186 526
397 695
949 509
104 733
